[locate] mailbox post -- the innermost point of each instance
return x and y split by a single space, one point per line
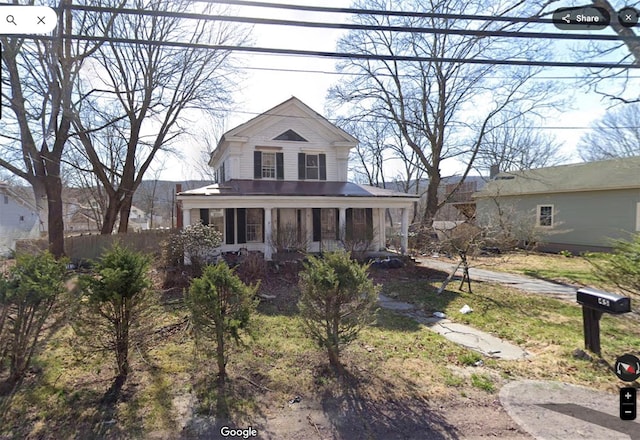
594 303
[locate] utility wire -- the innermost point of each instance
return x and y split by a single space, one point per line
353 26
385 12
342 55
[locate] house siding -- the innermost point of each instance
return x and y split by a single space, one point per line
585 220
11 227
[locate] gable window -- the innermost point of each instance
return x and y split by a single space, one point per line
290 135
6 200
545 216
268 165
312 166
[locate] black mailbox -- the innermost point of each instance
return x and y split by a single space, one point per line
603 301
594 303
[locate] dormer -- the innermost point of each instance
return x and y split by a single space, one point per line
288 142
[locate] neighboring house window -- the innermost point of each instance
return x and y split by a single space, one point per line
22 218
254 225
312 166
6 200
545 215
268 165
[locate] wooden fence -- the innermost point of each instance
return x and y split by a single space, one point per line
90 247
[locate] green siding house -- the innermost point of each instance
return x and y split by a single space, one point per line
578 207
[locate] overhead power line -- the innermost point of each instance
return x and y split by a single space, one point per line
342 55
385 12
355 26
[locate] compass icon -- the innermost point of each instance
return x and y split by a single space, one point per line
627 367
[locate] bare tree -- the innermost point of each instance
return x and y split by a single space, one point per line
39 88
514 144
441 108
616 134
146 91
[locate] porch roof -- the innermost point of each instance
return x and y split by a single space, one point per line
289 188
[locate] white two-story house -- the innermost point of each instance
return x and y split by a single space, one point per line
282 185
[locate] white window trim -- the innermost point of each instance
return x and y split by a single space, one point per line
553 215
316 168
275 166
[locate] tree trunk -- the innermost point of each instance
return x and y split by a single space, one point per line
432 200
40 195
53 186
125 210
222 372
110 215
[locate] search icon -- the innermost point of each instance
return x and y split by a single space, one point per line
11 20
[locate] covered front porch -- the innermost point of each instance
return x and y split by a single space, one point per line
273 229
285 216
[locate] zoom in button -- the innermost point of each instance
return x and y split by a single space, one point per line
591 18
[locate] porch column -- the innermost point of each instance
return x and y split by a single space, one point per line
268 251
405 231
342 223
382 230
186 217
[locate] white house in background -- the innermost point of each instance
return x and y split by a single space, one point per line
18 218
282 178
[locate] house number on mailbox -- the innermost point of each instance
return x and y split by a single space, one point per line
604 302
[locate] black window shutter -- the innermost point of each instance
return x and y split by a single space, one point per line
229 226
337 214
302 165
349 225
323 167
264 224
242 225
257 165
204 216
280 166
369 220
317 226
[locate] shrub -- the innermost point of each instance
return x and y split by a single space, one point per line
198 243
27 297
337 300
221 306
622 268
116 303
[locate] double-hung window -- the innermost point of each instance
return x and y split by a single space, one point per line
312 166
268 165
545 216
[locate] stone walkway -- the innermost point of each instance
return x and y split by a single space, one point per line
522 282
467 336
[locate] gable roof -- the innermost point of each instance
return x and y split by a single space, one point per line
291 108
590 176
